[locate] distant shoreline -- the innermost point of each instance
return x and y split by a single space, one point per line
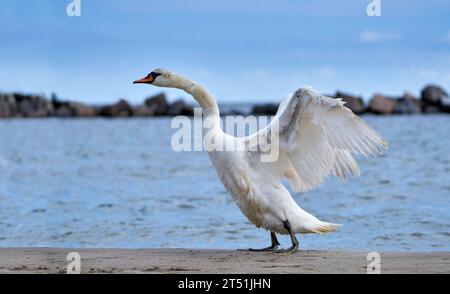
185 261
433 99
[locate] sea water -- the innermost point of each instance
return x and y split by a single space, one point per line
118 183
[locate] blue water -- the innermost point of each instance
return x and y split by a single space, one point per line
117 183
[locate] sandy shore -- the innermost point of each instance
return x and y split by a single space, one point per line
50 260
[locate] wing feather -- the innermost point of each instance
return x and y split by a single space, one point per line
316 136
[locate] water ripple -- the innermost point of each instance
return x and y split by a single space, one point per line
89 183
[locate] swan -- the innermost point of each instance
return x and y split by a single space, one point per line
316 136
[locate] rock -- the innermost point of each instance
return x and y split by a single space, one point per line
408 104
121 109
158 104
33 106
82 110
434 95
72 108
265 109
445 104
8 106
380 104
234 112
179 107
430 109
64 110
355 103
142 111
55 101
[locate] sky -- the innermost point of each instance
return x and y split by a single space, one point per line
241 51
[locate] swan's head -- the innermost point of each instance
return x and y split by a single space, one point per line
159 77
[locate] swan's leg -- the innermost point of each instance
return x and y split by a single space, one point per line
294 240
274 245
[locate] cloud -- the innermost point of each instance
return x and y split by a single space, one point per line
420 76
445 38
324 73
432 74
372 37
264 84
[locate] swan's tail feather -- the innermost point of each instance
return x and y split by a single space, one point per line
324 227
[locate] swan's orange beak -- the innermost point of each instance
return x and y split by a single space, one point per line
147 80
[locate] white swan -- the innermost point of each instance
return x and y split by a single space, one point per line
315 137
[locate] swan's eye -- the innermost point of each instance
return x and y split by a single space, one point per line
154 75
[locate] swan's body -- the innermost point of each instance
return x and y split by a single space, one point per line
314 137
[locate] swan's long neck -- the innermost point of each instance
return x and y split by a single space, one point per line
206 100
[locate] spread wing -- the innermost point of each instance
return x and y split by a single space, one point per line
311 137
